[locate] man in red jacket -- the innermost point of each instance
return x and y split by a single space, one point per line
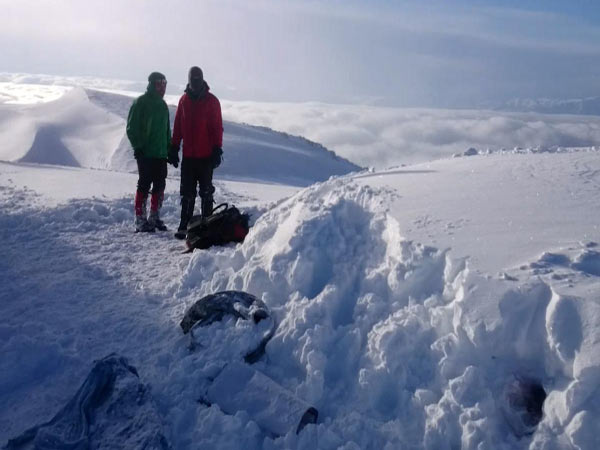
199 123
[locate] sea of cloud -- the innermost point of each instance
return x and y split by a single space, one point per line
373 136
383 137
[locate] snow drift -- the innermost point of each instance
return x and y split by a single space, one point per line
397 344
69 131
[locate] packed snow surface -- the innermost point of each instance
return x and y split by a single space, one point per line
418 307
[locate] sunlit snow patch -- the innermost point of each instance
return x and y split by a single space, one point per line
26 94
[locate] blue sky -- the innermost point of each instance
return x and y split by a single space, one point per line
451 53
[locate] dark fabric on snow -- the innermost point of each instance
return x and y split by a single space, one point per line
226 224
213 307
112 409
239 304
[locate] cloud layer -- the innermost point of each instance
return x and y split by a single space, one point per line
384 137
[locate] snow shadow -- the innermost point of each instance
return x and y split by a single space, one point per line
61 307
48 148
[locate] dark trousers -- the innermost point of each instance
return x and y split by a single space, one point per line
196 178
152 171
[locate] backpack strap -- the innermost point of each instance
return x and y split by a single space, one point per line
220 206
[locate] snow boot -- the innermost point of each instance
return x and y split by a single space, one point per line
155 206
187 211
207 205
141 223
143 226
155 221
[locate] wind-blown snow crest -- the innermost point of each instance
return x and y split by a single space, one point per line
86 128
397 344
69 131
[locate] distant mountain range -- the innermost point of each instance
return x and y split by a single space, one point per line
586 106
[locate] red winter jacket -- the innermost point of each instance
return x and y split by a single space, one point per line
200 125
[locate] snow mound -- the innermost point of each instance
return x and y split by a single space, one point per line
398 344
69 131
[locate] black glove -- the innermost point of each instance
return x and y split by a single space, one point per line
173 158
138 153
216 157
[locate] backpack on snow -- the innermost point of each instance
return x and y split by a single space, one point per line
225 224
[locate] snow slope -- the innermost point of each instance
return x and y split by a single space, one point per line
532 202
86 128
410 303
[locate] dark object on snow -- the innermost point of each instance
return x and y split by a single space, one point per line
239 304
240 387
523 405
111 409
225 224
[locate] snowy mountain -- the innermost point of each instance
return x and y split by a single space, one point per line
447 304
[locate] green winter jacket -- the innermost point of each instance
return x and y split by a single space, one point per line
148 127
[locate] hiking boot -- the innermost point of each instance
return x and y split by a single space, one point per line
142 225
187 211
181 233
154 221
160 225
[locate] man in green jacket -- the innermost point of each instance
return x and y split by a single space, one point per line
149 132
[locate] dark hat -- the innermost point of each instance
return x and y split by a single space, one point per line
195 72
156 76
